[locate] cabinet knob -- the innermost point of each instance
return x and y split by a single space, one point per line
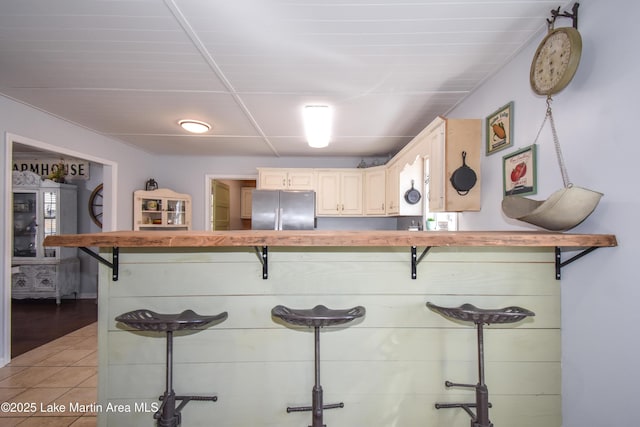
337 207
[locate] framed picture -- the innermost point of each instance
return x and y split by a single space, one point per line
519 175
499 127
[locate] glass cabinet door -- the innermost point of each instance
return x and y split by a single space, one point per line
25 226
50 218
175 212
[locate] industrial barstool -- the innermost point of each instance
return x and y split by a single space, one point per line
470 313
316 318
168 415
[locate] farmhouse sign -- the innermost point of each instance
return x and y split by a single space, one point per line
76 169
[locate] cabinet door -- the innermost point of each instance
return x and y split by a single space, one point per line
328 193
272 179
437 170
300 180
351 193
393 190
374 192
25 224
176 212
245 202
147 212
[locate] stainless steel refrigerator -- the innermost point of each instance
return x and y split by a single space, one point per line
283 210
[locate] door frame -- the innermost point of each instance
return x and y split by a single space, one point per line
109 178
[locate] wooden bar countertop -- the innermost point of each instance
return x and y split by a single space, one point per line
177 239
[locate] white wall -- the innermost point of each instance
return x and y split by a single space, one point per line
27 125
596 118
187 174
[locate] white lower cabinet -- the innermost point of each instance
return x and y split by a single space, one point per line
53 280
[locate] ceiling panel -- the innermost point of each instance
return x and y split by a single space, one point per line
138 112
130 69
201 145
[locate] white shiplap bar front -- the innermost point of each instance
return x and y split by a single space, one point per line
389 369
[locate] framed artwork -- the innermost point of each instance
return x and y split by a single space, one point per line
499 127
519 175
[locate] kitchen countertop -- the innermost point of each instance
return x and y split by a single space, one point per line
381 238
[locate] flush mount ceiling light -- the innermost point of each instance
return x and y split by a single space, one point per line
194 126
317 125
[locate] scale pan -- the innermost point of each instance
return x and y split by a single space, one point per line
563 210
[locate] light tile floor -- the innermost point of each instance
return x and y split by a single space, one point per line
62 374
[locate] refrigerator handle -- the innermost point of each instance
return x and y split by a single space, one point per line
279 219
276 218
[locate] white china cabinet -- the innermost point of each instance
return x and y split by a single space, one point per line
42 208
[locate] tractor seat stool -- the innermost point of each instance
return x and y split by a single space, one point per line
316 318
168 415
479 316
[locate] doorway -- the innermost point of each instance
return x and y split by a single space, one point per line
107 176
238 209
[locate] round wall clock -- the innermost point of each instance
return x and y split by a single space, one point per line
556 61
96 205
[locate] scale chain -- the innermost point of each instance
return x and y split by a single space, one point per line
556 141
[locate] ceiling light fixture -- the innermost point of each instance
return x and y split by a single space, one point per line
317 125
194 126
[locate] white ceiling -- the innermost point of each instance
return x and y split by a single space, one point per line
130 69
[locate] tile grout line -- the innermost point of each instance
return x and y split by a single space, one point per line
49 378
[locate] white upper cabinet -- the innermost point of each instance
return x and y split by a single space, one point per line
375 191
285 179
339 192
448 139
161 209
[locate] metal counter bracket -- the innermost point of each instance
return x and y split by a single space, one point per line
114 265
415 260
560 263
264 259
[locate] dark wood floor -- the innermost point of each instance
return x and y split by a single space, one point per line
35 322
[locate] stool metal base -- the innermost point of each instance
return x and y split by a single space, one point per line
169 415
481 417
480 317
316 318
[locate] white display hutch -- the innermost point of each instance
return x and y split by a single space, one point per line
43 208
161 209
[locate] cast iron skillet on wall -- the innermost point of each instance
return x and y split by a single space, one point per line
412 196
464 178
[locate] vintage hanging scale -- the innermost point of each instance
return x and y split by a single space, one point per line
552 68
556 61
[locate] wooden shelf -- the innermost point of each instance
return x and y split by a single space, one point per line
381 238
266 238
